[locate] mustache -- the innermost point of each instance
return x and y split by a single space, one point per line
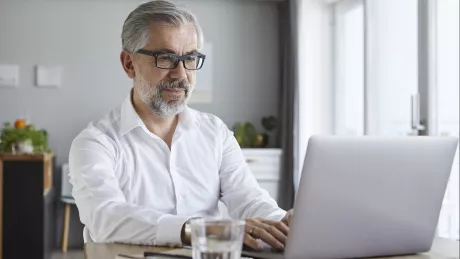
173 84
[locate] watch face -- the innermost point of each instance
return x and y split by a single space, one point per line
188 230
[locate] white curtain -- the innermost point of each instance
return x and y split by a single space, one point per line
314 62
445 26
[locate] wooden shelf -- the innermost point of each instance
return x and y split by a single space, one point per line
46 158
34 157
26 202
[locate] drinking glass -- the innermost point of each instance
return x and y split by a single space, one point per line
217 239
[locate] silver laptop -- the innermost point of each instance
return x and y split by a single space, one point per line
368 197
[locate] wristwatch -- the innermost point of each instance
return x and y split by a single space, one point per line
186 234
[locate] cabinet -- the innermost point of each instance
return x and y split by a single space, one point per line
26 205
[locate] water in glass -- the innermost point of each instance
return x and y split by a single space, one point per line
217 239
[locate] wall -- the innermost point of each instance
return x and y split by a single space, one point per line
84 38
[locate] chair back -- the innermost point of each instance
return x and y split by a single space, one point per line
66 187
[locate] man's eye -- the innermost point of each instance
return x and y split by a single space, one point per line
191 58
164 58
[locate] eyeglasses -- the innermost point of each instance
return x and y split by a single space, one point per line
164 60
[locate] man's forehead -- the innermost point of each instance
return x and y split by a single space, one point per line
181 37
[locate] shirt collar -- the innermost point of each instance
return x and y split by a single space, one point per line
188 118
131 120
129 117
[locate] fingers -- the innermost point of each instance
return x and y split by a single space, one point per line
279 225
274 233
267 237
287 219
267 233
286 222
271 227
252 242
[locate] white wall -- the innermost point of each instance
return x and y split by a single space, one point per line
84 38
315 70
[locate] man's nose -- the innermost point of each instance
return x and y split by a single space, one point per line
179 72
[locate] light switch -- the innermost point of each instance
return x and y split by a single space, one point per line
48 76
9 75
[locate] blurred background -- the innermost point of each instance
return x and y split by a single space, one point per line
276 70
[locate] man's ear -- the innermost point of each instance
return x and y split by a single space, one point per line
127 60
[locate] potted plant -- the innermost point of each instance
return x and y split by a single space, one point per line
269 123
23 138
245 134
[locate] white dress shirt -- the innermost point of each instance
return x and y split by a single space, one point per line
130 187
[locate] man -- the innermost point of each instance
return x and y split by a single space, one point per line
143 171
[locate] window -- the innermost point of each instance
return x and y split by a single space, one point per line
349 79
376 59
376 66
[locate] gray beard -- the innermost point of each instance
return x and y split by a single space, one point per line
151 96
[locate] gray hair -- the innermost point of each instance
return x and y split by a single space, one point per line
136 34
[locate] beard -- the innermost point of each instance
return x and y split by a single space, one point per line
151 95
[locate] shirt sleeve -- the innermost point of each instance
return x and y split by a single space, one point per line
240 191
102 205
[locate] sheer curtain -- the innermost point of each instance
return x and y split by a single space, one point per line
306 84
445 25
314 63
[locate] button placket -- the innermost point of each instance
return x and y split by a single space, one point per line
179 189
176 179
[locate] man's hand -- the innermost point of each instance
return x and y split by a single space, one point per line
287 219
273 233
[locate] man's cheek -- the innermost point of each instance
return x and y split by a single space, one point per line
192 79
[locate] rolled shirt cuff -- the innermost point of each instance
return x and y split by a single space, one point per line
169 230
276 215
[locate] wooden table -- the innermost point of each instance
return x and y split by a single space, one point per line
442 249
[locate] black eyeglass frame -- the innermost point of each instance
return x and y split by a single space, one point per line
179 58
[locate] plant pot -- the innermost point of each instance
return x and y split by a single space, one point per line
24 147
261 140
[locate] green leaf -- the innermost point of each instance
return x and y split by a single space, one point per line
10 136
269 123
245 134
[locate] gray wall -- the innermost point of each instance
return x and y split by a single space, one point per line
83 38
